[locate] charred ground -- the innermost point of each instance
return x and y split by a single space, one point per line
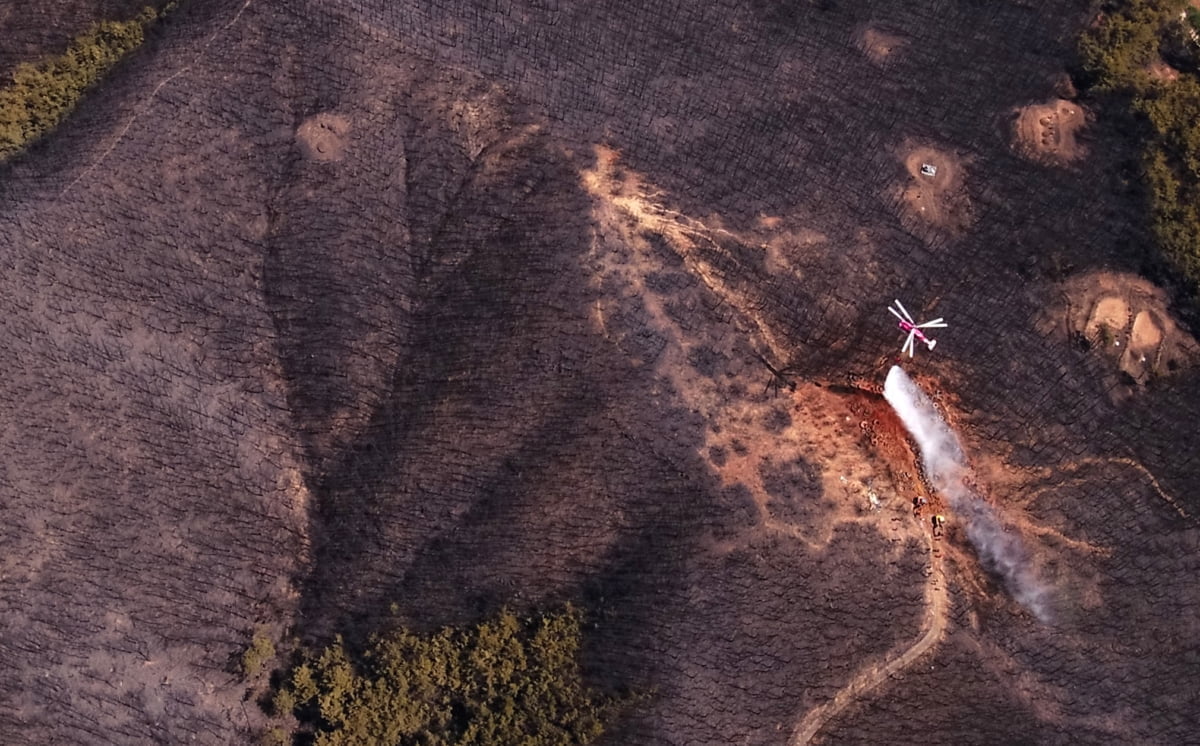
320 308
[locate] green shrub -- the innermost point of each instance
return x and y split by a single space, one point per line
506 680
1116 52
41 94
283 703
260 651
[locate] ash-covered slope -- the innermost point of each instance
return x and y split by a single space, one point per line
31 33
322 308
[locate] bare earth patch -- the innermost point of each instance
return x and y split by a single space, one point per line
1146 334
1125 318
322 137
879 45
1109 316
1160 70
1046 132
933 194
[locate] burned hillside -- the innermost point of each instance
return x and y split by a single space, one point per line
317 310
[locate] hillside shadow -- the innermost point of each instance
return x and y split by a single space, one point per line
480 475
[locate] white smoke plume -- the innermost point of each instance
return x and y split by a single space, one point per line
946 469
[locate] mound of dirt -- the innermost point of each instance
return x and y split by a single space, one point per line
1146 334
1126 319
880 45
322 137
1047 132
1110 315
934 194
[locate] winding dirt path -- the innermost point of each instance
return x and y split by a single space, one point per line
934 625
1132 463
627 196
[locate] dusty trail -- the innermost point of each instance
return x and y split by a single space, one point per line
149 100
632 199
1139 467
934 626
1068 471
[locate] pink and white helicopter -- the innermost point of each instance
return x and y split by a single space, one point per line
914 329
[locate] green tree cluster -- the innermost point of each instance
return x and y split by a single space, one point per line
257 654
1116 55
1117 52
506 680
1173 171
41 94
